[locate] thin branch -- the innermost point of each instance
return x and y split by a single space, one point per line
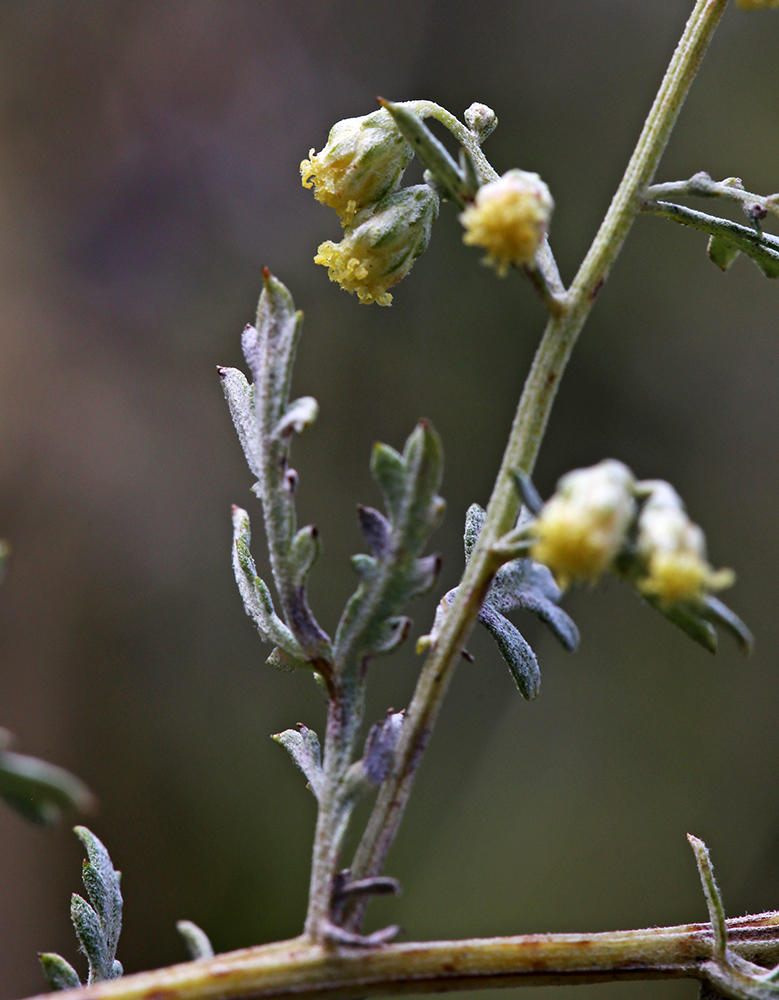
529 425
307 971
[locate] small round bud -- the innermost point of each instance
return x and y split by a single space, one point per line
673 550
509 218
582 528
481 120
383 244
362 162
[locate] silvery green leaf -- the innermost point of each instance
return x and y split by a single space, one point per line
389 471
720 614
269 349
91 938
519 585
256 597
280 659
195 939
515 650
298 415
376 530
379 754
40 791
240 400
304 551
688 620
432 153
302 744
101 881
372 623
60 975
721 253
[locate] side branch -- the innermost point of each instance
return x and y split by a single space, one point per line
311 971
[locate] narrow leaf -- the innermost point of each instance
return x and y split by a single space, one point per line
431 152
719 613
195 939
515 650
299 415
302 744
240 400
376 530
713 898
89 932
40 791
60 975
721 252
379 754
256 597
389 471
688 620
304 551
101 881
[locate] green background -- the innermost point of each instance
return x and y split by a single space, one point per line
149 159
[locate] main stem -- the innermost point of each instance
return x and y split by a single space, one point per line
527 432
306 970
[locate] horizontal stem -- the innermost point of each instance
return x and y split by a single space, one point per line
311 971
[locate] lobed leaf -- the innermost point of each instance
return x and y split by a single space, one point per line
394 573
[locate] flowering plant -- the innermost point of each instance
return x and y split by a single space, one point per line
521 553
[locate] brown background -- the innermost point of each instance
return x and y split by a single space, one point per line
149 159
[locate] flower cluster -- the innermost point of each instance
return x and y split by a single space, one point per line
358 174
509 218
363 161
377 252
602 520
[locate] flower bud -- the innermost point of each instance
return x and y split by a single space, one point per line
481 120
383 244
363 161
509 218
582 528
673 550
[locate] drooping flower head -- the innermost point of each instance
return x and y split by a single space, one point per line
674 550
362 162
509 218
582 528
383 244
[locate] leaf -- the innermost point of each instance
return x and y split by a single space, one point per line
432 153
379 753
515 650
394 573
101 881
40 791
302 744
688 620
721 252
60 975
519 585
257 600
195 939
240 400
298 415
715 611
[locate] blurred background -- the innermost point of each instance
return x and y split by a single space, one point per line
149 158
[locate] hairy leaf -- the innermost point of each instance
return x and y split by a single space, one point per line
40 791
394 573
60 975
195 939
302 744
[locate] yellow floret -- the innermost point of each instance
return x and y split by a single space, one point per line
509 219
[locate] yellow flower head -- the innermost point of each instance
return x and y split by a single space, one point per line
509 218
382 246
582 528
363 161
674 551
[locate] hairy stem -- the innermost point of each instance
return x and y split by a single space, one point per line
309 971
527 431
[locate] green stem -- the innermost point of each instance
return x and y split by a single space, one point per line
310 971
527 431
